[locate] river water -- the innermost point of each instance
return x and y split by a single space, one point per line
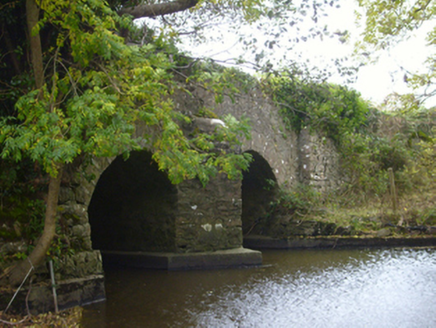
305 288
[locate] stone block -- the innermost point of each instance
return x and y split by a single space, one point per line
81 231
83 193
66 194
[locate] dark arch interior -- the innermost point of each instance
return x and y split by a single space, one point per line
133 207
259 186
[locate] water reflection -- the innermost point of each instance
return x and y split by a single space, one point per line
384 288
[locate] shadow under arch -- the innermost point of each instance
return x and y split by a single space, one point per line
259 189
133 207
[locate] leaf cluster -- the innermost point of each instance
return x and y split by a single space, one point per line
330 108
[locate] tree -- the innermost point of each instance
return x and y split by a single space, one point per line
390 22
86 86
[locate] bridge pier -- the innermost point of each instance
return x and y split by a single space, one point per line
138 218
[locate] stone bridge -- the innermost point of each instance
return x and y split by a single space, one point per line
131 213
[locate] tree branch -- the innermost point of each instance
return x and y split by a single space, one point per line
158 9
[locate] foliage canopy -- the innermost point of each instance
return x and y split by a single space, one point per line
326 107
95 89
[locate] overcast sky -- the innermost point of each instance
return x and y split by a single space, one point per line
375 81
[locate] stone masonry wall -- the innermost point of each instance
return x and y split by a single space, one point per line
318 161
209 217
268 135
74 198
306 158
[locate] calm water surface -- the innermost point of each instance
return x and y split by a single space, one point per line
336 288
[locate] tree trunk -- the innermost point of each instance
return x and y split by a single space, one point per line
16 275
32 14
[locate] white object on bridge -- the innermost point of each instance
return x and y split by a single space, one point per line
208 124
216 121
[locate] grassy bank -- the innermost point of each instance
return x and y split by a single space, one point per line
308 214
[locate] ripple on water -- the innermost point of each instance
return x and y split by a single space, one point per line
389 288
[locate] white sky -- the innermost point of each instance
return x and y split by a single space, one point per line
375 81
386 76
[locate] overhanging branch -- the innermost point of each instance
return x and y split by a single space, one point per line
158 9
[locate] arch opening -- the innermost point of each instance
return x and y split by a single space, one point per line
259 189
133 207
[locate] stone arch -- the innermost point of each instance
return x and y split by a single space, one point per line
133 207
259 189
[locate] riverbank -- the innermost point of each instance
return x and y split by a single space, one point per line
333 242
68 318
